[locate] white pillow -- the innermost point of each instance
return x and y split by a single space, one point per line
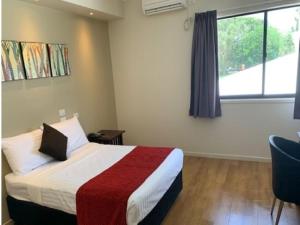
73 130
22 152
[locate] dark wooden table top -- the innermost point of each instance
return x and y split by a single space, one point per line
110 134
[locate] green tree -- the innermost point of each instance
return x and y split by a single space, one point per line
241 43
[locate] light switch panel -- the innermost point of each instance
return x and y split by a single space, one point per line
62 112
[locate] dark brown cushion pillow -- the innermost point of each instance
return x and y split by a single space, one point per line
54 143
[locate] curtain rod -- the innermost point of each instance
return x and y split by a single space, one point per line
256 7
244 9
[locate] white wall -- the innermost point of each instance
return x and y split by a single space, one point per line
151 68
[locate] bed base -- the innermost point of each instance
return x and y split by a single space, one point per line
28 213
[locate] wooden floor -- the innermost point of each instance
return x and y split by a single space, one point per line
225 192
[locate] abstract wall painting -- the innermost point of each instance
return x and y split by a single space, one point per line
59 59
11 61
36 61
29 60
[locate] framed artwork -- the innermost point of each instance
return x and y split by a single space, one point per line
36 62
11 61
59 59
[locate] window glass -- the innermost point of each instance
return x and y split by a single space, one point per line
283 35
241 54
243 42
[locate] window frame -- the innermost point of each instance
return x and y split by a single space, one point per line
265 38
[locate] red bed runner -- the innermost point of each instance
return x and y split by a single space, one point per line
103 199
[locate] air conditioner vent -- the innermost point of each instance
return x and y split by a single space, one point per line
160 6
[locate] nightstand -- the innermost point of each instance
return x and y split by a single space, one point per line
111 137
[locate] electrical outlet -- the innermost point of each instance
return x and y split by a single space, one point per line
63 118
62 112
76 114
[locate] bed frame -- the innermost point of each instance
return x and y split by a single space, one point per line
28 213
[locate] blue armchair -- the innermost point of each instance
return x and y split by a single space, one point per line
285 172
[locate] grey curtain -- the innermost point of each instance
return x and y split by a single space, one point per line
297 98
205 100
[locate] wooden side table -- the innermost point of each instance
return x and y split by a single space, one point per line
111 137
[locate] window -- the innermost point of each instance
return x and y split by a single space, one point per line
258 54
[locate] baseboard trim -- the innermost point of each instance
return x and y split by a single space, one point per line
8 222
227 156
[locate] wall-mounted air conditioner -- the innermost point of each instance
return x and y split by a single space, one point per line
151 7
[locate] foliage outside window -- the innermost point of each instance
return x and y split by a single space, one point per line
258 53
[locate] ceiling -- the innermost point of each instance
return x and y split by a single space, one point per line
96 9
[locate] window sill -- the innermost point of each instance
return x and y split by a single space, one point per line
258 101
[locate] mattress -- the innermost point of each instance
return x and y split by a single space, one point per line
55 184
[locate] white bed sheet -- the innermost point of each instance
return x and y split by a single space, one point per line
55 184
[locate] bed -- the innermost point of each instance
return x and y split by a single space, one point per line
46 195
